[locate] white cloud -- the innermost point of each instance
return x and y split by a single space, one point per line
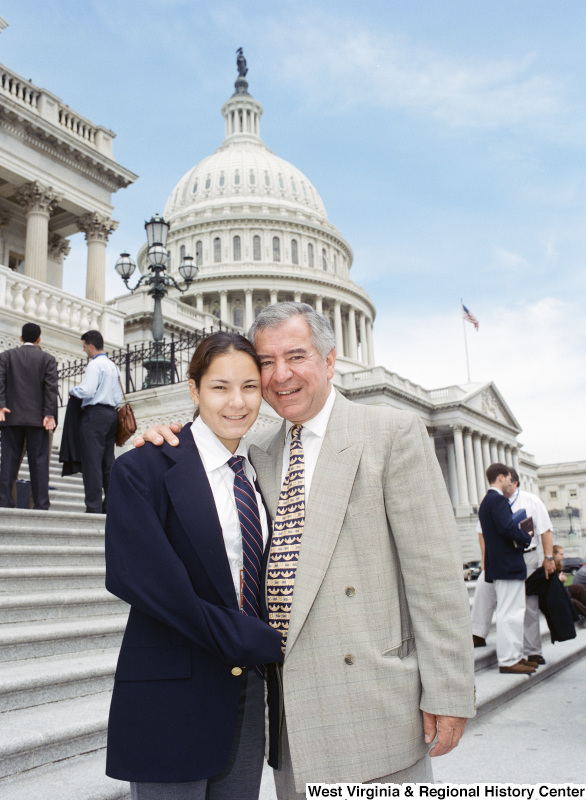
535 354
342 65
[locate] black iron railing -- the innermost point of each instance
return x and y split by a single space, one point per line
143 365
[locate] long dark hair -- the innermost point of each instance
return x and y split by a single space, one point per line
217 344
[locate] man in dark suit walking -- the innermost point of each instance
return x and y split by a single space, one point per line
28 411
504 565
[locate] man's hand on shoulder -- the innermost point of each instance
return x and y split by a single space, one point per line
158 434
449 731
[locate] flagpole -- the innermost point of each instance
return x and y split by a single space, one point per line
465 339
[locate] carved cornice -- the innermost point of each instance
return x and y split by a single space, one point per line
78 158
97 227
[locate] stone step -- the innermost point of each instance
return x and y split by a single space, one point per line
26 580
79 778
20 641
24 684
15 519
52 533
45 555
74 603
493 688
33 737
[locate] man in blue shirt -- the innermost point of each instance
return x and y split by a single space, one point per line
100 393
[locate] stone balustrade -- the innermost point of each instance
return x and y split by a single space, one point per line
38 301
51 109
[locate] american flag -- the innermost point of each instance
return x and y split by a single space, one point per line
470 317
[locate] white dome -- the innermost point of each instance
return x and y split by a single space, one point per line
243 171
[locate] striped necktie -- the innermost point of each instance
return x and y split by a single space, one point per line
286 542
252 544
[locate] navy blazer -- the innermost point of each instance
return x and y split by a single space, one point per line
175 699
504 541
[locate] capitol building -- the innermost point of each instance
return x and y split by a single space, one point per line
259 233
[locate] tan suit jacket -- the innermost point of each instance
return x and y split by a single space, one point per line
380 624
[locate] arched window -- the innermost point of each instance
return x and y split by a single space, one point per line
182 252
335 263
293 187
198 253
252 178
236 177
256 248
294 252
267 179
276 248
310 255
208 181
281 181
222 179
324 259
195 187
217 250
237 248
238 316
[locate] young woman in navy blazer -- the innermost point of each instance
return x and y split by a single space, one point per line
187 713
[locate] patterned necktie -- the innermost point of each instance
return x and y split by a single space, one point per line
287 532
252 544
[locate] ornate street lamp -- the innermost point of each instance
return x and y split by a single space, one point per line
158 280
570 512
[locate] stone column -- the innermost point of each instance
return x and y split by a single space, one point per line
485 457
58 249
97 229
369 342
501 452
515 454
248 315
5 218
319 304
508 460
199 302
464 502
274 296
297 297
352 342
452 475
494 456
470 472
478 467
338 328
38 201
224 306
363 345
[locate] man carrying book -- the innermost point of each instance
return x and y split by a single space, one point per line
504 564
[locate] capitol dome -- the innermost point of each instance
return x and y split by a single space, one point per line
259 233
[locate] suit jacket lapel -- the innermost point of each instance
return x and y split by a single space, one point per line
331 487
192 498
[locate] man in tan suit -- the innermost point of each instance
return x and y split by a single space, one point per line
378 654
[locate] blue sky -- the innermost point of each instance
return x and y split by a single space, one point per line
447 139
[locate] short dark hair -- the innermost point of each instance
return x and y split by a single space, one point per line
217 344
495 470
514 475
30 332
95 338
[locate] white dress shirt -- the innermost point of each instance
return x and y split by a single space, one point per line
312 436
215 457
100 384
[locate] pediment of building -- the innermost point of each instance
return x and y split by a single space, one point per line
488 401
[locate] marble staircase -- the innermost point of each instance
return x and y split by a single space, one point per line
59 637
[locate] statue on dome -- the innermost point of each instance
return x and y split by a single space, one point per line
241 63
